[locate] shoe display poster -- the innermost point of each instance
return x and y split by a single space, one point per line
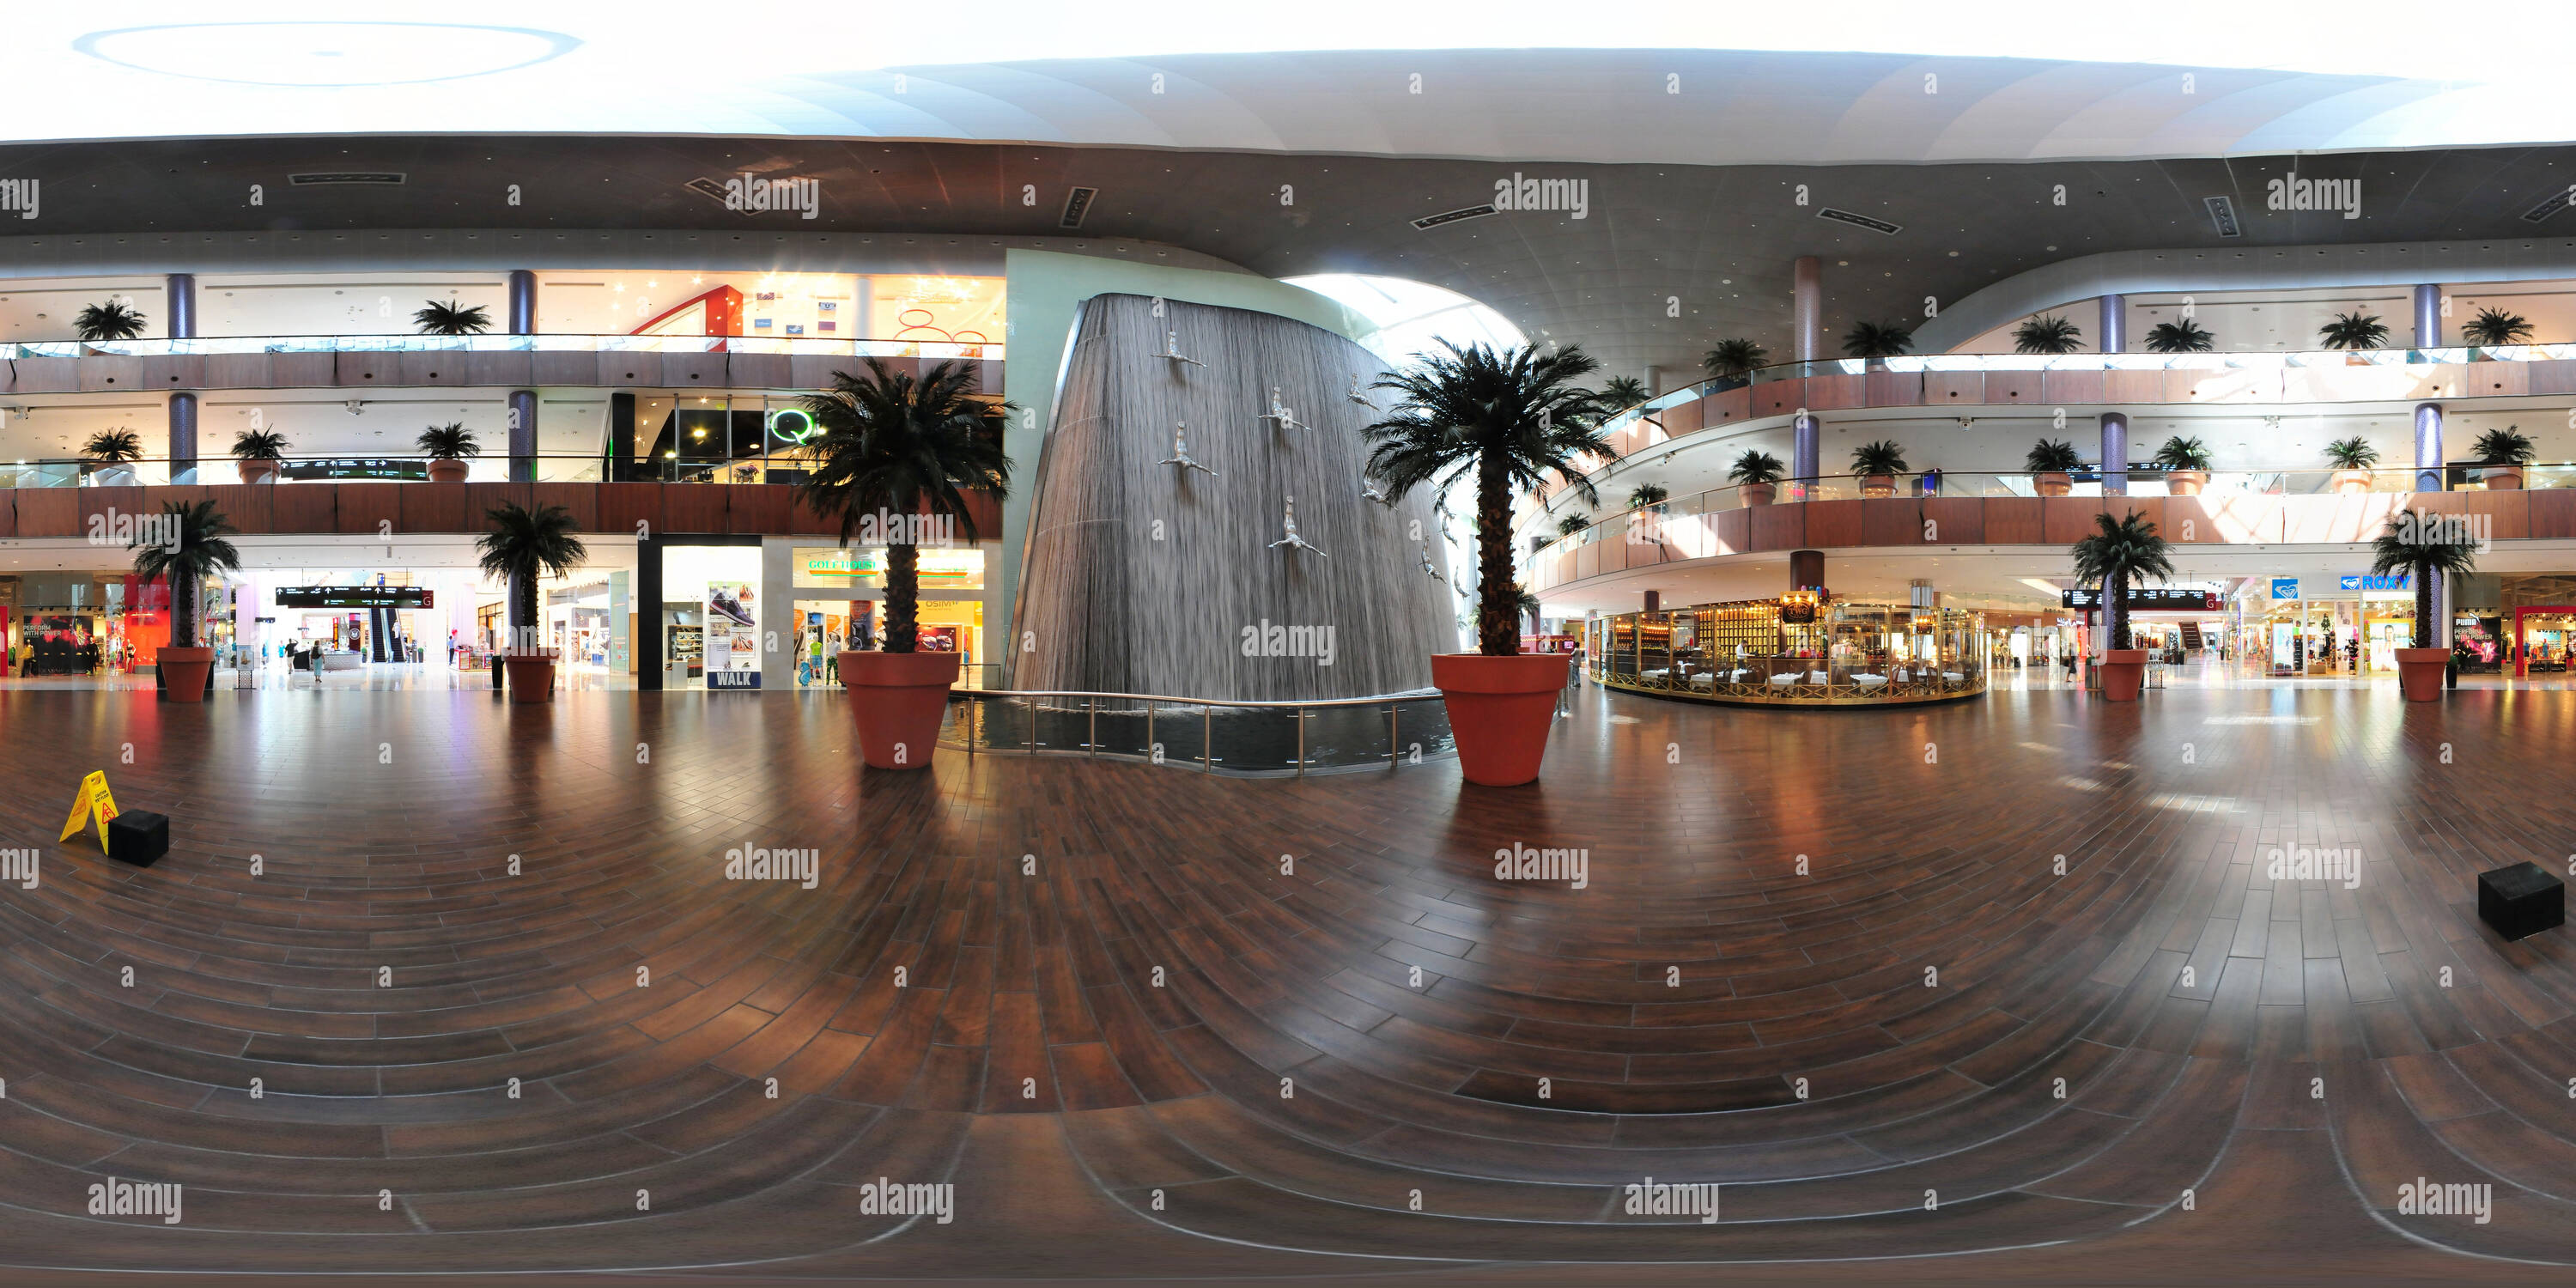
733 627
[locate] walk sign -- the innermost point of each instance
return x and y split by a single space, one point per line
94 802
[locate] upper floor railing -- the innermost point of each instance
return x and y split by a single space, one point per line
392 468
799 346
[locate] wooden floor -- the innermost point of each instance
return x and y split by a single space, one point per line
1154 1024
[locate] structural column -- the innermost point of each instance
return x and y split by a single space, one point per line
523 435
2430 476
2428 316
2115 324
1807 306
523 302
2115 453
180 293
1806 570
1804 449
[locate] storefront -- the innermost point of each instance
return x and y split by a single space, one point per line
708 620
1794 651
2351 625
951 607
2543 635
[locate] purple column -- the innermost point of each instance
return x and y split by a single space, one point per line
2428 317
2115 324
523 302
1807 306
2115 453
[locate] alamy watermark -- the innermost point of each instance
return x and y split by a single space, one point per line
743 863
1521 863
2425 528
758 196
1668 1198
1520 192
882 1197
1270 639
2301 863
2420 1197
887 528
19 866
114 1197
110 527
2295 193
20 195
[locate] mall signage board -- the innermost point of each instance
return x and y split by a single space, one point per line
2366 581
732 679
2150 599
2285 588
356 597
399 469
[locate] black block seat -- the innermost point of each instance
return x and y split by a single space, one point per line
2521 900
139 837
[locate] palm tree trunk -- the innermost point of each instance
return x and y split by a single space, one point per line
1497 616
2424 575
523 610
183 612
2115 611
903 599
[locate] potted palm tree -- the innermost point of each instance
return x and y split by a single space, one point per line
888 443
522 546
1505 420
2423 545
1573 525
2184 336
1733 362
450 318
2186 462
447 447
1878 464
2494 328
112 320
2354 330
2352 458
2052 465
1619 393
2120 551
2502 453
111 453
256 454
2047 333
1756 476
1649 496
192 549
1877 340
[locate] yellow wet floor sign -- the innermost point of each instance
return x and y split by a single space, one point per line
95 803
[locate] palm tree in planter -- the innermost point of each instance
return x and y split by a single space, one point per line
2424 545
1504 420
447 446
2186 462
192 548
2119 552
892 449
2052 464
2047 333
2354 330
2352 458
112 320
2503 453
1877 340
1619 393
1732 362
522 546
1573 525
1878 464
451 318
1649 494
2185 336
256 454
1756 476
111 451
2493 328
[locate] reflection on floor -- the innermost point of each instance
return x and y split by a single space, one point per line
371 676
508 1010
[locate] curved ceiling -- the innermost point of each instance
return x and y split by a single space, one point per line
1966 81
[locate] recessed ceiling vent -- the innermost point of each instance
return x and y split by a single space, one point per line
1077 204
1859 221
2555 202
330 178
1429 222
2222 213
709 188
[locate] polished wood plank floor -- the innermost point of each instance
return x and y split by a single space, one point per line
1151 1023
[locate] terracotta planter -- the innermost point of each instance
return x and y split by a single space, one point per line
2124 673
1878 485
1756 493
2420 672
2052 483
257 471
2186 482
531 674
1501 709
442 470
2351 482
897 699
183 673
2501 478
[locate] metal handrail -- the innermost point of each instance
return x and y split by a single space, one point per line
1092 699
